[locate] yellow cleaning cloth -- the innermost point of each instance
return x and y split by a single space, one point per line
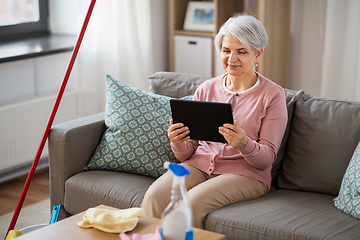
112 221
13 234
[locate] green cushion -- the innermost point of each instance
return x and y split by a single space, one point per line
136 137
348 199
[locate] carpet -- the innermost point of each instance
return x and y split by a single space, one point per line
34 214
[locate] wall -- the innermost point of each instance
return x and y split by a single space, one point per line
34 76
159 18
27 93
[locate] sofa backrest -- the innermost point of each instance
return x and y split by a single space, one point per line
323 136
175 85
291 97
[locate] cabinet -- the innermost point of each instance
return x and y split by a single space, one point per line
193 55
275 16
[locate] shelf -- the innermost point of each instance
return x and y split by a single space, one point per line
194 33
177 11
274 15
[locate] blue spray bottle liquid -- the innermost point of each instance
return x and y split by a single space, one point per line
177 219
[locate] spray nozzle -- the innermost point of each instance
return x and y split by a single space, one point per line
177 169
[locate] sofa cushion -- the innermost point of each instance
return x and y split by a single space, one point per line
116 189
348 199
291 97
323 136
136 137
174 84
284 214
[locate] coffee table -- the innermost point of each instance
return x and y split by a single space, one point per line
67 229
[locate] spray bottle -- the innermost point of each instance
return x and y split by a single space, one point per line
177 219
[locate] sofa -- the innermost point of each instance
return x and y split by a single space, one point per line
317 146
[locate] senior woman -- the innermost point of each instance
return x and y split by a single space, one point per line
239 170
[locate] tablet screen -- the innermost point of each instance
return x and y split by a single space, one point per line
202 118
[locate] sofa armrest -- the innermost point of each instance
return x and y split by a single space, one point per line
71 145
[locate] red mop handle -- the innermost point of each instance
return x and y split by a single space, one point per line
51 118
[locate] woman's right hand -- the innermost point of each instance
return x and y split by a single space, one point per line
178 133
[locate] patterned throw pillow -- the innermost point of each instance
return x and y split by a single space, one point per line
136 137
348 199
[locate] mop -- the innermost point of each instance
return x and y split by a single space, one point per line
51 118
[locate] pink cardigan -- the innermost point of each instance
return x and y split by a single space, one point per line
261 112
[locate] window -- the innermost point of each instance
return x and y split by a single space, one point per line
19 18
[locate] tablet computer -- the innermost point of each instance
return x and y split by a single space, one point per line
202 118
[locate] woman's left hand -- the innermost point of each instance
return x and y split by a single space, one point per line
234 135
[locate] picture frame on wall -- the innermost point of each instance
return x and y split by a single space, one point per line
200 16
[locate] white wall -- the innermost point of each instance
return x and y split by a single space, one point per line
34 76
159 18
15 84
27 93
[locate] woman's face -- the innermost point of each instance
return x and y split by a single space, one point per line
236 58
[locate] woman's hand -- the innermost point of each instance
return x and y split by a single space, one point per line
234 135
178 133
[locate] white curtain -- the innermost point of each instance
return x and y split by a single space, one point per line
341 59
118 42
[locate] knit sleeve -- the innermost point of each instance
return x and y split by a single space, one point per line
185 150
262 152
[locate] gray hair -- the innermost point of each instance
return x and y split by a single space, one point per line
247 29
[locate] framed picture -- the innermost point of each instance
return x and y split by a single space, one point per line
200 16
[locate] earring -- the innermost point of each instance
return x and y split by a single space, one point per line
256 64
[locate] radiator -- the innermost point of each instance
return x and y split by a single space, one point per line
22 125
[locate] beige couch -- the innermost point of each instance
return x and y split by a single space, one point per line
318 144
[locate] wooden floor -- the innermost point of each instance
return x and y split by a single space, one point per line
10 191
